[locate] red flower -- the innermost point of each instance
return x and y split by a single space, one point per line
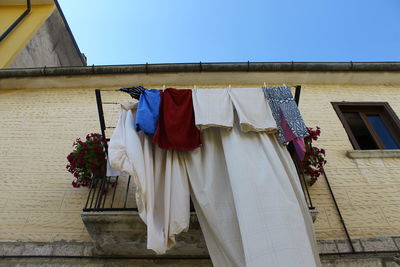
87 157
314 159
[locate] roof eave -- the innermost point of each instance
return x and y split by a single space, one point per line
206 67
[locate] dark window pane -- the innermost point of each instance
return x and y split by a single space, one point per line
384 134
360 131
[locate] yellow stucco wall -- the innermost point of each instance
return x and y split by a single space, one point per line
38 203
367 190
20 35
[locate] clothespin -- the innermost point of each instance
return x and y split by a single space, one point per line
163 87
194 86
265 84
229 86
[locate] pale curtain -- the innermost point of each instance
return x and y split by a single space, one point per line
162 191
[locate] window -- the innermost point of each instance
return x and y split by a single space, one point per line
369 125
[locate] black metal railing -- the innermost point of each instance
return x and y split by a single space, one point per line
303 181
111 193
117 193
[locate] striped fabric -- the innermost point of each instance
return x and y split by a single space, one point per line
134 91
282 103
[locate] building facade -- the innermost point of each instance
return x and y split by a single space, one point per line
43 112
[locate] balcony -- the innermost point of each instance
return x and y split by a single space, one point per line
112 220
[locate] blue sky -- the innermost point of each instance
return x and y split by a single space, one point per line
173 31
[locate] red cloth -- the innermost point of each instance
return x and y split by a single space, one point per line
299 145
176 128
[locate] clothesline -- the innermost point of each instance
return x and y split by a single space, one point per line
136 91
164 87
296 97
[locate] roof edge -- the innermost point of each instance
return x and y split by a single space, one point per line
206 67
82 58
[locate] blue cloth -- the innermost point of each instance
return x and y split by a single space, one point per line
147 112
281 101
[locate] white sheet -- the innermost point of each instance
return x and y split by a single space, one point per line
213 200
162 192
247 194
218 102
248 207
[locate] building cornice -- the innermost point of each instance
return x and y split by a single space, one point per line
207 67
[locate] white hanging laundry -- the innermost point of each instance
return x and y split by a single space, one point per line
271 220
247 196
213 200
252 110
287 162
245 187
162 191
208 103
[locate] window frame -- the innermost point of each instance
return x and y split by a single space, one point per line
363 108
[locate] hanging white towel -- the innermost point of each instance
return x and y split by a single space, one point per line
214 108
162 191
253 111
